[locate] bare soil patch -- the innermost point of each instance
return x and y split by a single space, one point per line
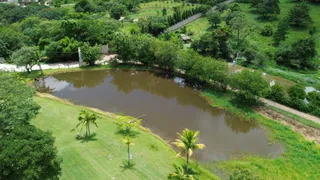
310 133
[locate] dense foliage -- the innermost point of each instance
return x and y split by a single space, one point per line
299 55
25 152
249 86
214 44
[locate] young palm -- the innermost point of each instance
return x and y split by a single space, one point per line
86 118
187 143
128 142
179 174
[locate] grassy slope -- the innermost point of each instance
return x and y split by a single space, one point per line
155 8
265 43
103 158
198 27
152 9
301 159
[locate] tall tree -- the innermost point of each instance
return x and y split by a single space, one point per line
249 86
187 143
299 15
281 32
28 153
299 55
214 43
25 151
26 56
127 141
86 118
268 7
16 103
214 18
239 24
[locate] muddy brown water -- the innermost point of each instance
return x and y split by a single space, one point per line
169 105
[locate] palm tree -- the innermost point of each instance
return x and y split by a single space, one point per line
128 142
187 143
180 174
86 118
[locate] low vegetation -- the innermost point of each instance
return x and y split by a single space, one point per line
300 159
104 155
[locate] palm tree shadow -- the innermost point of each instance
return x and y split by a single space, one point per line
125 165
131 134
85 139
191 170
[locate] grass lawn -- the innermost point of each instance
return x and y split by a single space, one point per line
265 43
127 26
198 27
300 160
154 8
104 156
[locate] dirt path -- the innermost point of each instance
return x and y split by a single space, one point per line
310 133
293 111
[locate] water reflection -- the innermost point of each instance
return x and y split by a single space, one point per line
169 107
240 126
83 78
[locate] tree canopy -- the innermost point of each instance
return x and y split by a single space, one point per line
25 151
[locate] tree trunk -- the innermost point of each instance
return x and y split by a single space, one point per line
40 68
86 130
27 68
238 37
89 128
187 167
128 154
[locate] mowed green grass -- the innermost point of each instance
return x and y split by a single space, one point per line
265 43
198 27
104 157
155 8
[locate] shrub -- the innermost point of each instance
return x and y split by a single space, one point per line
299 55
314 98
296 92
249 86
300 105
250 55
90 53
278 94
267 30
242 174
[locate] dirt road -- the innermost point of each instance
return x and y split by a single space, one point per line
293 111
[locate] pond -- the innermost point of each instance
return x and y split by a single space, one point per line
169 106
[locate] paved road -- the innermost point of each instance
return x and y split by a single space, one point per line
193 18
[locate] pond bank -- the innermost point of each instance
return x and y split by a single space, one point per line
104 156
301 159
